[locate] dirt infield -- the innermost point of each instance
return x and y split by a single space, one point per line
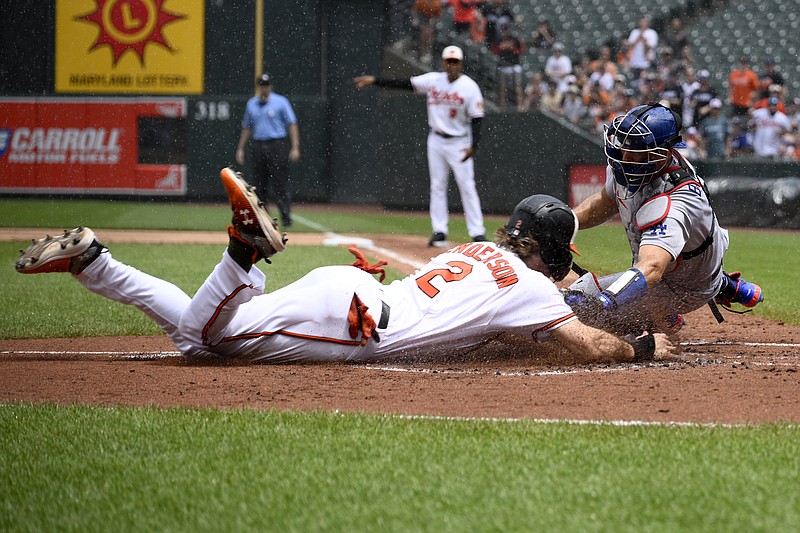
746 370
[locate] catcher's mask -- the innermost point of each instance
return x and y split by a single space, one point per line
552 224
639 144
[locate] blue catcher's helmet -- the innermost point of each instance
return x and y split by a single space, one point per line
639 143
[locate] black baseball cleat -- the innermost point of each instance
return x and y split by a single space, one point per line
439 240
71 252
251 224
479 238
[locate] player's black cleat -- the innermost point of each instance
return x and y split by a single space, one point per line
439 240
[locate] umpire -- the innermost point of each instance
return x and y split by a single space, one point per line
269 119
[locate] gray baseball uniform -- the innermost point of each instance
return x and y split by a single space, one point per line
673 212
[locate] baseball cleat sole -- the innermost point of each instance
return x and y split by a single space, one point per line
245 205
55 254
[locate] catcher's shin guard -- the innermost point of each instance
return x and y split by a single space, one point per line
736 290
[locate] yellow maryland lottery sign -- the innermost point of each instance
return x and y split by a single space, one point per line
130 46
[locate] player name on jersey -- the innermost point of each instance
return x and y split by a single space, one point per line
501 270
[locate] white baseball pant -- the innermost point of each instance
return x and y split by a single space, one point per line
444 155
231 316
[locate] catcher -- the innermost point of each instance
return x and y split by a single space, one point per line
460 299
678 246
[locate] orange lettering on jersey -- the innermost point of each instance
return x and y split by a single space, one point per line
472 250
497 264
460 248
507 281
501 270
480 255
438 97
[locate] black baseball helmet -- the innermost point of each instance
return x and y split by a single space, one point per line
552 224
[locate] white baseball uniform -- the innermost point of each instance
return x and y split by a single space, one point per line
462 298
678 218
769 128
451 108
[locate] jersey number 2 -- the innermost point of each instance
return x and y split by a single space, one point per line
458 270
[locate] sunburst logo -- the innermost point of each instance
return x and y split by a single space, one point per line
130 25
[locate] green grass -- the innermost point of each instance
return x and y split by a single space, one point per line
131 469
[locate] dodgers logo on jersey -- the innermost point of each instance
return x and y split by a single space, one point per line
5 141
658 230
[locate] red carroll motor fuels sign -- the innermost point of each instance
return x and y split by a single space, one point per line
83 145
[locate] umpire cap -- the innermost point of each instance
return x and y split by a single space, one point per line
264 79
552 224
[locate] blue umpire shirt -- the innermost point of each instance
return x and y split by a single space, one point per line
271 120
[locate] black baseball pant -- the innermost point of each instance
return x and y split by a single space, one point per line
271 174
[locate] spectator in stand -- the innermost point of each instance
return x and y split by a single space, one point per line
557 67
741 138
537 86
672 93
675 37
544 38
702 96
572 106
604 58
715 131
793 112
771 76
465 13
742 83
424 15
668 64
689 85
775 91
770 126
602 80
649 87
496 15
685 58
509 49
626 101
642 43
693 151
551 100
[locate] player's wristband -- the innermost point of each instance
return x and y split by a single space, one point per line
644 346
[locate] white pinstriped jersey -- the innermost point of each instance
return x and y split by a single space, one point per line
451 106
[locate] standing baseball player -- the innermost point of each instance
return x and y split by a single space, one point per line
676 240
462 298
455 110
